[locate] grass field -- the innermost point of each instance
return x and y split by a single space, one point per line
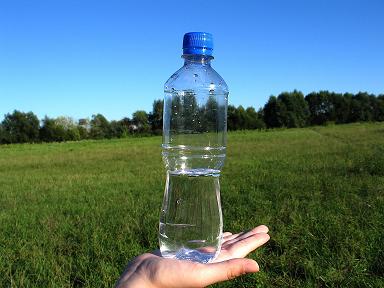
73 214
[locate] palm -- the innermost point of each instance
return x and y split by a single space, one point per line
151 270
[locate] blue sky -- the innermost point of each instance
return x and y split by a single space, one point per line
78 58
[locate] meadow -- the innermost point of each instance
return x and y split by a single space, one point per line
73 214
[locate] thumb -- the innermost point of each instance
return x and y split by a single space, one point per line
227 270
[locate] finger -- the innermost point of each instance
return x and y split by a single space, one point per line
258 229
227 270
227 234
230 237
243 247
245 234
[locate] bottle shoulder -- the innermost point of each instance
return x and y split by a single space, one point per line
201 76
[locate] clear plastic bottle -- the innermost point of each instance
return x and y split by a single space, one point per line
194 146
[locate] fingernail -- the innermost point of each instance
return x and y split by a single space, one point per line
252 266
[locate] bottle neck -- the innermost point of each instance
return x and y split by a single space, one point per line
197 59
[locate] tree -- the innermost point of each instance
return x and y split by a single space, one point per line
50 132
341 107
100 127
361 108
210 117
127 124
253 119
289 109
173 107
118 129
140 119
2 139
20 127
297 111
241 117
274 113
156 117
60 129
185 115
70 128
231 117
379 108
320 107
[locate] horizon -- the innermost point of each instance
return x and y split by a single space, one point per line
89 117
79 59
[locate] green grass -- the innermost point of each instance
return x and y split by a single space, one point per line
73 214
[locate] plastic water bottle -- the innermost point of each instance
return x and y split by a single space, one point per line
194 143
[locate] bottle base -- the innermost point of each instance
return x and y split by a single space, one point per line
190 255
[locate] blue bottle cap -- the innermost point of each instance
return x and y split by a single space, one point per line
200 43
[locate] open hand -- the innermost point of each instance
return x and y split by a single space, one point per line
152 271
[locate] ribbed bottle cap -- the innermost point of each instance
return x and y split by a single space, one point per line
198 43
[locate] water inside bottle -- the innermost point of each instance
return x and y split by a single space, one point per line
191 221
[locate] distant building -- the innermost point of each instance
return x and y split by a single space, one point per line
133 128
85 123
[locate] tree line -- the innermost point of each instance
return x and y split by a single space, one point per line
288 110
20 127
